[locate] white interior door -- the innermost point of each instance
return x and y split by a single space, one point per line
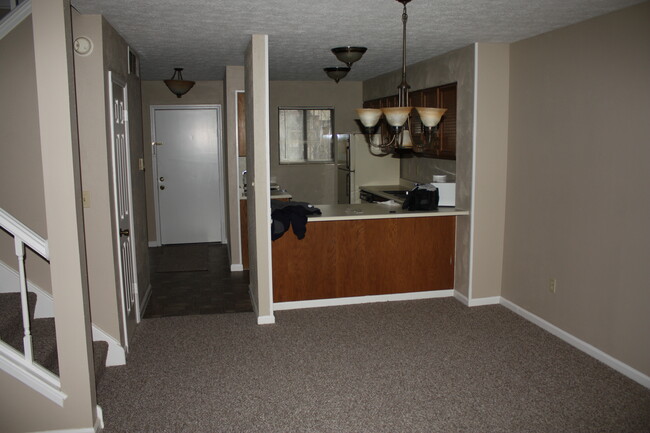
123 204
188 174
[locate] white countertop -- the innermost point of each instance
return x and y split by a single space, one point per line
275 194
364 211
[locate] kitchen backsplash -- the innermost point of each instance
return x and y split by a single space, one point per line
421 170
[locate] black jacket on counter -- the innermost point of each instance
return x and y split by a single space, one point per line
294 213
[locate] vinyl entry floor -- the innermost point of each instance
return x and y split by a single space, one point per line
193 279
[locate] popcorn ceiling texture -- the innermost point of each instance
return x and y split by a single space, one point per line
204 36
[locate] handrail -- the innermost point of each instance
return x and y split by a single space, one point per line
18 13
28 236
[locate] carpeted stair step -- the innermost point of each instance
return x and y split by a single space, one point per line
11 318
100 352
44 343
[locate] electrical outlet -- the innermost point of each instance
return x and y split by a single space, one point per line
86 198
552 285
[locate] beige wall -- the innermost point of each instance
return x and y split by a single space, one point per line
234 82
156 93
455 66
313 183
21 176
109 54
96 179
578 181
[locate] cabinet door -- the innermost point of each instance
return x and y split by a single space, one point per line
241 123
447 129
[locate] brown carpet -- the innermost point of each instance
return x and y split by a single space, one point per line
419 366
183 258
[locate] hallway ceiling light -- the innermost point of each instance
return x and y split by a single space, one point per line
336 73
397 118
177 85
347 55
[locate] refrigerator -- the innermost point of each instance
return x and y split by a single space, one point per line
357 167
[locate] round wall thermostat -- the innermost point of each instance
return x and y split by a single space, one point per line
83 46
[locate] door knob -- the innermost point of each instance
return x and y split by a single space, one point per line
124 232
162 186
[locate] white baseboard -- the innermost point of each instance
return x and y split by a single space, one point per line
261 320
461 298
476 302
10 283
266 320
99 421
236 268
145 301
116 353
352 300
603 357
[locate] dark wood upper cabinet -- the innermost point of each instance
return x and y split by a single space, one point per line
241 123
444 146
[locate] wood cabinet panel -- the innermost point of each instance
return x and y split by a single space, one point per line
365 257
243 219
241 123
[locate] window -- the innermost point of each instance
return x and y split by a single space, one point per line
306 135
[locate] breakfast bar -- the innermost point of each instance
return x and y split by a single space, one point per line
366 249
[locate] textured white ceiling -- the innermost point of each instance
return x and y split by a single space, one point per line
203 36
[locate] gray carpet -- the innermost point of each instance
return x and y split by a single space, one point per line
183 258
419 366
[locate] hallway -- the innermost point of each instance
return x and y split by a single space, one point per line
191 279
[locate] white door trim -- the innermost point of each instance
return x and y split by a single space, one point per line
120 81
220 167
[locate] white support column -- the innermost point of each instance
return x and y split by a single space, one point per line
61 175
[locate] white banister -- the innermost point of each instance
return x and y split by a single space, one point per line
24 233
27 338
23 236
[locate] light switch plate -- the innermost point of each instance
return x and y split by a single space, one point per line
86 198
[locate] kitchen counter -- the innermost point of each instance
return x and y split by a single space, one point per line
275 195
379 190
342 212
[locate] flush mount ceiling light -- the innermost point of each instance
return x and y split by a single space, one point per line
347 55
336 73
398 138
177 85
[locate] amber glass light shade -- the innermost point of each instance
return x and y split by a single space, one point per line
396 116
369 116
177 85
430 117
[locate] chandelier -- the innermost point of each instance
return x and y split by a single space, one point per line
399 137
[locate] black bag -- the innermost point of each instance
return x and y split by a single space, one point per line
421 199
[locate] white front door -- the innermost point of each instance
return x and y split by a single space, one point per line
123 203
188 174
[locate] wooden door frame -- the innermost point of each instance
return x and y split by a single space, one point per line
120 81
220 165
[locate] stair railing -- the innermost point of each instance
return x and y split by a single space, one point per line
23 235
